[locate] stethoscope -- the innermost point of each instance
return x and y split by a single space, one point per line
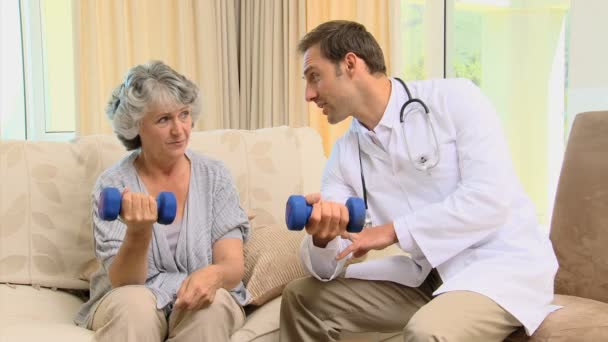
423 163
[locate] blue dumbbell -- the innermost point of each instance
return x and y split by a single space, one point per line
298 211
110 201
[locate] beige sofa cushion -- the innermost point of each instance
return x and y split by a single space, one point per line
14 206
580 319
48 185
29 314
229 147
274 171
578 227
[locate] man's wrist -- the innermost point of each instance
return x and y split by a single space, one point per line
393 232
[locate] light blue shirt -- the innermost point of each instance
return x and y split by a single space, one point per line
213 213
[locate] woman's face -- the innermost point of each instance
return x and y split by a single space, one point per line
165 131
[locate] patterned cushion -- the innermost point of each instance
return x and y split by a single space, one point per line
14 206
274 171
271 261
48 184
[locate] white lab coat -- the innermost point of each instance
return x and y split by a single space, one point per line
468 217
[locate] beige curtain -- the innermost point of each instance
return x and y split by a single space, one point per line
375 16
271 87
197 38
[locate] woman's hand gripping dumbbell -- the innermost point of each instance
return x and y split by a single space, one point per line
324 220
137 207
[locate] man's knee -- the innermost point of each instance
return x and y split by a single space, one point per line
432 322
300 291
423 328
307 287
460 316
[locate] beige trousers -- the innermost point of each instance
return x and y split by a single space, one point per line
129 313
312 310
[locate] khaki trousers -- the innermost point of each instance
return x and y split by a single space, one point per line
312 310
129 313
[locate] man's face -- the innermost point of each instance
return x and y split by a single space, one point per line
326 85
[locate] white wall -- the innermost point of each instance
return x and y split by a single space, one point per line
588 60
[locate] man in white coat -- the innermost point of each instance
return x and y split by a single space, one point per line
438 181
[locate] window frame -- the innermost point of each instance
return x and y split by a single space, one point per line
34 74
12 90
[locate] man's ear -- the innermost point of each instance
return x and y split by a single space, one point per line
350 61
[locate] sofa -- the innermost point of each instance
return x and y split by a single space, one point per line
579 233
46 251
46 247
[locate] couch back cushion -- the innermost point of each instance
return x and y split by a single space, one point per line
266 166
45 230
14 206
45 226
579 228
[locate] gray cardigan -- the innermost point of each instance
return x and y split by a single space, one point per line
213 211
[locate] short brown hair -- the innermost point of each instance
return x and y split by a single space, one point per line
338 37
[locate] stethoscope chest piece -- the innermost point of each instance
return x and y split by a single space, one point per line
419 128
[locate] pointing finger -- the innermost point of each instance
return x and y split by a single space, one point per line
346 251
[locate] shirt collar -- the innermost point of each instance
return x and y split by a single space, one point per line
390 117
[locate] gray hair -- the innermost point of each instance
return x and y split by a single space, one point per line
144 86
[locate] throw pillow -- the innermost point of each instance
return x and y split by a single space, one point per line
271 261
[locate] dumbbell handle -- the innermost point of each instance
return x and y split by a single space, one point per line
110 201
297 213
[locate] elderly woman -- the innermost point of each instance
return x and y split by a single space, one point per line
180 282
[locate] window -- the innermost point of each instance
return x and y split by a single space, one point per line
38 99
418 33
515 51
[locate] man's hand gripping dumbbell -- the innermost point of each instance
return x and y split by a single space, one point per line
324 220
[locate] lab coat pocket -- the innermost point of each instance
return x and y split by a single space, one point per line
446 174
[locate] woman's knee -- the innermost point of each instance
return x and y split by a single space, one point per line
224 316
225 307
128 304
